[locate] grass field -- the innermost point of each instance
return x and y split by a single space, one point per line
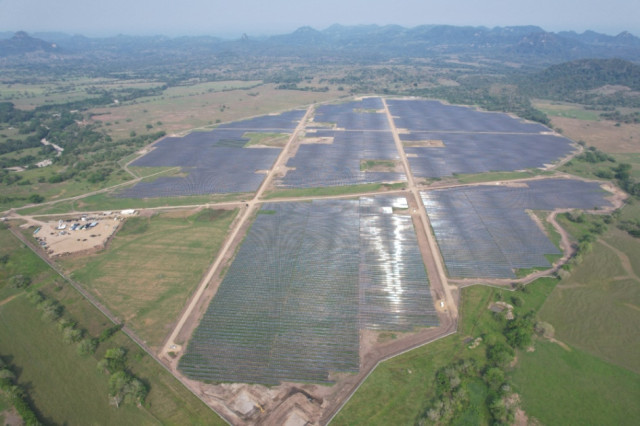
398 391
604 135
560 387
494 176
276 140
53 191
597 308
64 387
104 201
152 265
53 372
55 91
331 190
555 109
188 108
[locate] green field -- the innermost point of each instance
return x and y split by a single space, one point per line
560 387
554 109
276 140
152 266
556 386
398 391
495 176
53 191
105 201
331 190
54 372
597 308
63 387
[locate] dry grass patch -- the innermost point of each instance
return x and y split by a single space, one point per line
604 135
153 265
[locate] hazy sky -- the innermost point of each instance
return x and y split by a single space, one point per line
231 18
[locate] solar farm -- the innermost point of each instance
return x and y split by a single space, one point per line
486 231
215 162
471 141
308 277
306 288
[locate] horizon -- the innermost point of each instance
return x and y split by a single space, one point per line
234 36
256 18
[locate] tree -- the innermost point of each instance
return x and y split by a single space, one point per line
36 198
7 375
87 346
494 377
544 329
20 281
500 354
71 335
136 391
113 360
519 330
117 383
51 310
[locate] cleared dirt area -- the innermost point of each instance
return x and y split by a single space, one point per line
432 143
59 238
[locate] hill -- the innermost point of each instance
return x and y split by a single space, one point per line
22 43
578 81
524 44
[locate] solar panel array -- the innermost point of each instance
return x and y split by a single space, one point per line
338 163
483 152
362 133
433 116
364 114
306 278
214 162
474 141
394 290
485 231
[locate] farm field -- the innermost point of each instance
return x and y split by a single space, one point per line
64 387
152 265
595 309
570 386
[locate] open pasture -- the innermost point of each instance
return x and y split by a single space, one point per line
485 231
186 111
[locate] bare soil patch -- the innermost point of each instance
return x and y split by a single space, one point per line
432 143
58 242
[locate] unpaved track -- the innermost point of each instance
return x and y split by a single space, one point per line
435 268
